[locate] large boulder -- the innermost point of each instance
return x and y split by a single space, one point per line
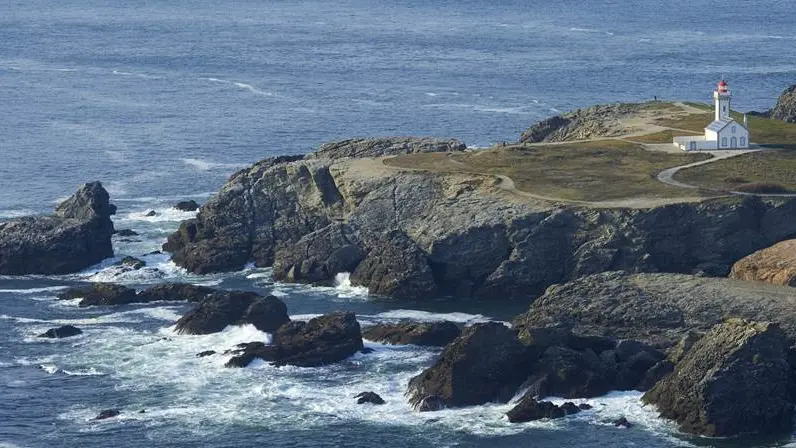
486 363
221 309
175 292
775 264
568 373
323 340
528 409
418 333
385 146
100 294
187 206
75 237
319 256
63 331
785 108
735 380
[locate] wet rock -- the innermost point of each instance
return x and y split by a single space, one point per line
486 363
584 406
564 372
622 422
151 213
418 333
64 331
126 232
369 397
100 294
366 350
107 413
431 403
529 409
775 264
735 380
785 108
131 263
187 206
77 235
176 291
323 340
205 353
223 308
319 256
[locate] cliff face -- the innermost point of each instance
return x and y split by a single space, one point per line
413 234
785 108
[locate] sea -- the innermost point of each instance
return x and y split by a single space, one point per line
163 100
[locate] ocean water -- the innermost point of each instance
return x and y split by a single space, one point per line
162 100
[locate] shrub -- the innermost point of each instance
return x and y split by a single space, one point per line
762 188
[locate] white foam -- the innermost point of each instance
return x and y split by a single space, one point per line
342 283
161 215
253 89
35 290
49 368
207 165
425 316
10 214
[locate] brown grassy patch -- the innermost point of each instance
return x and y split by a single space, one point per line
770 166
659 137
589 171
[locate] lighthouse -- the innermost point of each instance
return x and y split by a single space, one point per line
724 132
721 99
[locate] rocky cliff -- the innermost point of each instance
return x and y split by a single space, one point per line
785 108
775 264
75 237
411 234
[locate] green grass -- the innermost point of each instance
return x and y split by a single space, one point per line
766 167
586 171
658 137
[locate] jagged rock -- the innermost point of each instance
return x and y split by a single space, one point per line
657 309
131 263
775 264
735 380
683 346
151 213
584 406
187 206
389 146
64 331
564 372
205 353
529 409
622 422
100 294
431 403
75 237
542 130
395 267
785 109
635 359
417 333
369 397
582 124
323 340
224 308
175 291
126 232
319 256
486 363
108 413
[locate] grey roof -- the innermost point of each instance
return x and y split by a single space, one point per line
719 124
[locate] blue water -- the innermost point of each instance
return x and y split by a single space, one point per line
162 100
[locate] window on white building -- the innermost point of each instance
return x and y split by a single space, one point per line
743 141
733 129
724 141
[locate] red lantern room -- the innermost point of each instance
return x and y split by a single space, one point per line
723 86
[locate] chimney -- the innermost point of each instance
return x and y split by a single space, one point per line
746 121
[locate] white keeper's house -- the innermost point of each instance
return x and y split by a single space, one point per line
723 133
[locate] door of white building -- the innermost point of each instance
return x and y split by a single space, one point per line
693 146
733 142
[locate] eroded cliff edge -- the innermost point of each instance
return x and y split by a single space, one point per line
411 233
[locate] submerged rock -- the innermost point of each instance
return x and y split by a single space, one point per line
369 397
775 264
529 409
418 333
100 294
205 353
187 206
323 340
73 238
150 213
131 263
64 331
126 232
622 422
223 308
108 413
735 380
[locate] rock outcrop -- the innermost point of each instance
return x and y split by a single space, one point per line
418 333
175 292
75 237
100 294
63 331
775 264
369 397
323 340
657 309
412 234
529 409
785 108
187 206
582 124
221 309
735 380
388 146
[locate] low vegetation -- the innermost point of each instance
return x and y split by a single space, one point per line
757 172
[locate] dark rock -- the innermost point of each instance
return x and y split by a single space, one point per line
175 291
126 232
396 267
682 347
323 340
584 406
187 206
431 403
635 359
319 256
151 213
131 263
366 350
154 252
64 331
570 408
735 380
563 372
107 413
224 308
486 363
654 374
369 397
622 422
418 333
785 109
100 294
389 146
75 237
529 409
205 353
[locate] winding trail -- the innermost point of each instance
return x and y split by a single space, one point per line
667 176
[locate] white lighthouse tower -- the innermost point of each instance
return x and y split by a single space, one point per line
721 100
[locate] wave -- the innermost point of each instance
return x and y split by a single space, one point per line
591 30
34 290
252 89
206 165
426 316
509 110
342 283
